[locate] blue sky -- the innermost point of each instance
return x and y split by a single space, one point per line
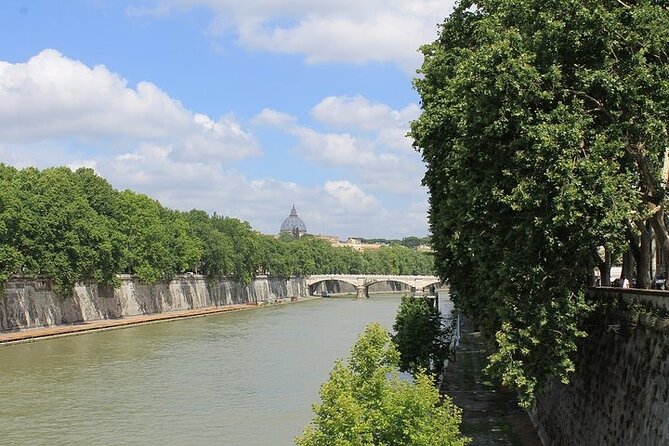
243 108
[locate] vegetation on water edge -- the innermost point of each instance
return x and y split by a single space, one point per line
422 341
73 226
365 403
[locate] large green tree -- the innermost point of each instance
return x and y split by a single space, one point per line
544 131
365 403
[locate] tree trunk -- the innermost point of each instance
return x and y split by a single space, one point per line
643 264
605 269
628 266
662 236
652 189
634 250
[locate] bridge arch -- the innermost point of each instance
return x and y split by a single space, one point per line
383 285
382 280
433 284
313 285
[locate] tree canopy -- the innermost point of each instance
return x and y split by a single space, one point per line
74 226
365 403
544 131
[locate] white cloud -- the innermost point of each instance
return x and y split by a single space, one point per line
52 97
76 164
395 138
330 149
358 113
351 197
272 118
323 30
334 149
376 150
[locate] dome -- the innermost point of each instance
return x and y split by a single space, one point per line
293 224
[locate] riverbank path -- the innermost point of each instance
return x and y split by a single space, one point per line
33 334
490 417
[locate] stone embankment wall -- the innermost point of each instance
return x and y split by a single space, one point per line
31 303
620 392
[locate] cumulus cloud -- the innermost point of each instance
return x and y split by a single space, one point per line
334 149
272 118
351 197
322 30
358 113
374 147
52 97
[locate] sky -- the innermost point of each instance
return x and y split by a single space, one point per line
239 107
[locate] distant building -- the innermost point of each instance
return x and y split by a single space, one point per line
332 239
358 245
354 243
294 224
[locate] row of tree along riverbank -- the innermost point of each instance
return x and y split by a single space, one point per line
74 226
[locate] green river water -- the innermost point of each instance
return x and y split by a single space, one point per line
236 379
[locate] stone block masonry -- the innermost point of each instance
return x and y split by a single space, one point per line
31 303
619 394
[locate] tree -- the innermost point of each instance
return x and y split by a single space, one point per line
364 403
146 233
544 134
420 338
217 253
11 258
248 257
57 232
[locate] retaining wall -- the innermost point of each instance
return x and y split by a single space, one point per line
31 302
619 394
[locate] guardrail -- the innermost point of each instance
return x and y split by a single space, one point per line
658 298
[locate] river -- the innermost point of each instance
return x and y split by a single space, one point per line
234 379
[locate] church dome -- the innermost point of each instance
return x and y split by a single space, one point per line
293 224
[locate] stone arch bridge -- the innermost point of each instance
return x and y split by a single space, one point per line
361 282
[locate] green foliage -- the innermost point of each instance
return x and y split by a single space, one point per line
11 258
420 338
543 130
51 230
217 250
74 226
365 403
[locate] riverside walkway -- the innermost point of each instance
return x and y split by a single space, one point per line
34 334
490 416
